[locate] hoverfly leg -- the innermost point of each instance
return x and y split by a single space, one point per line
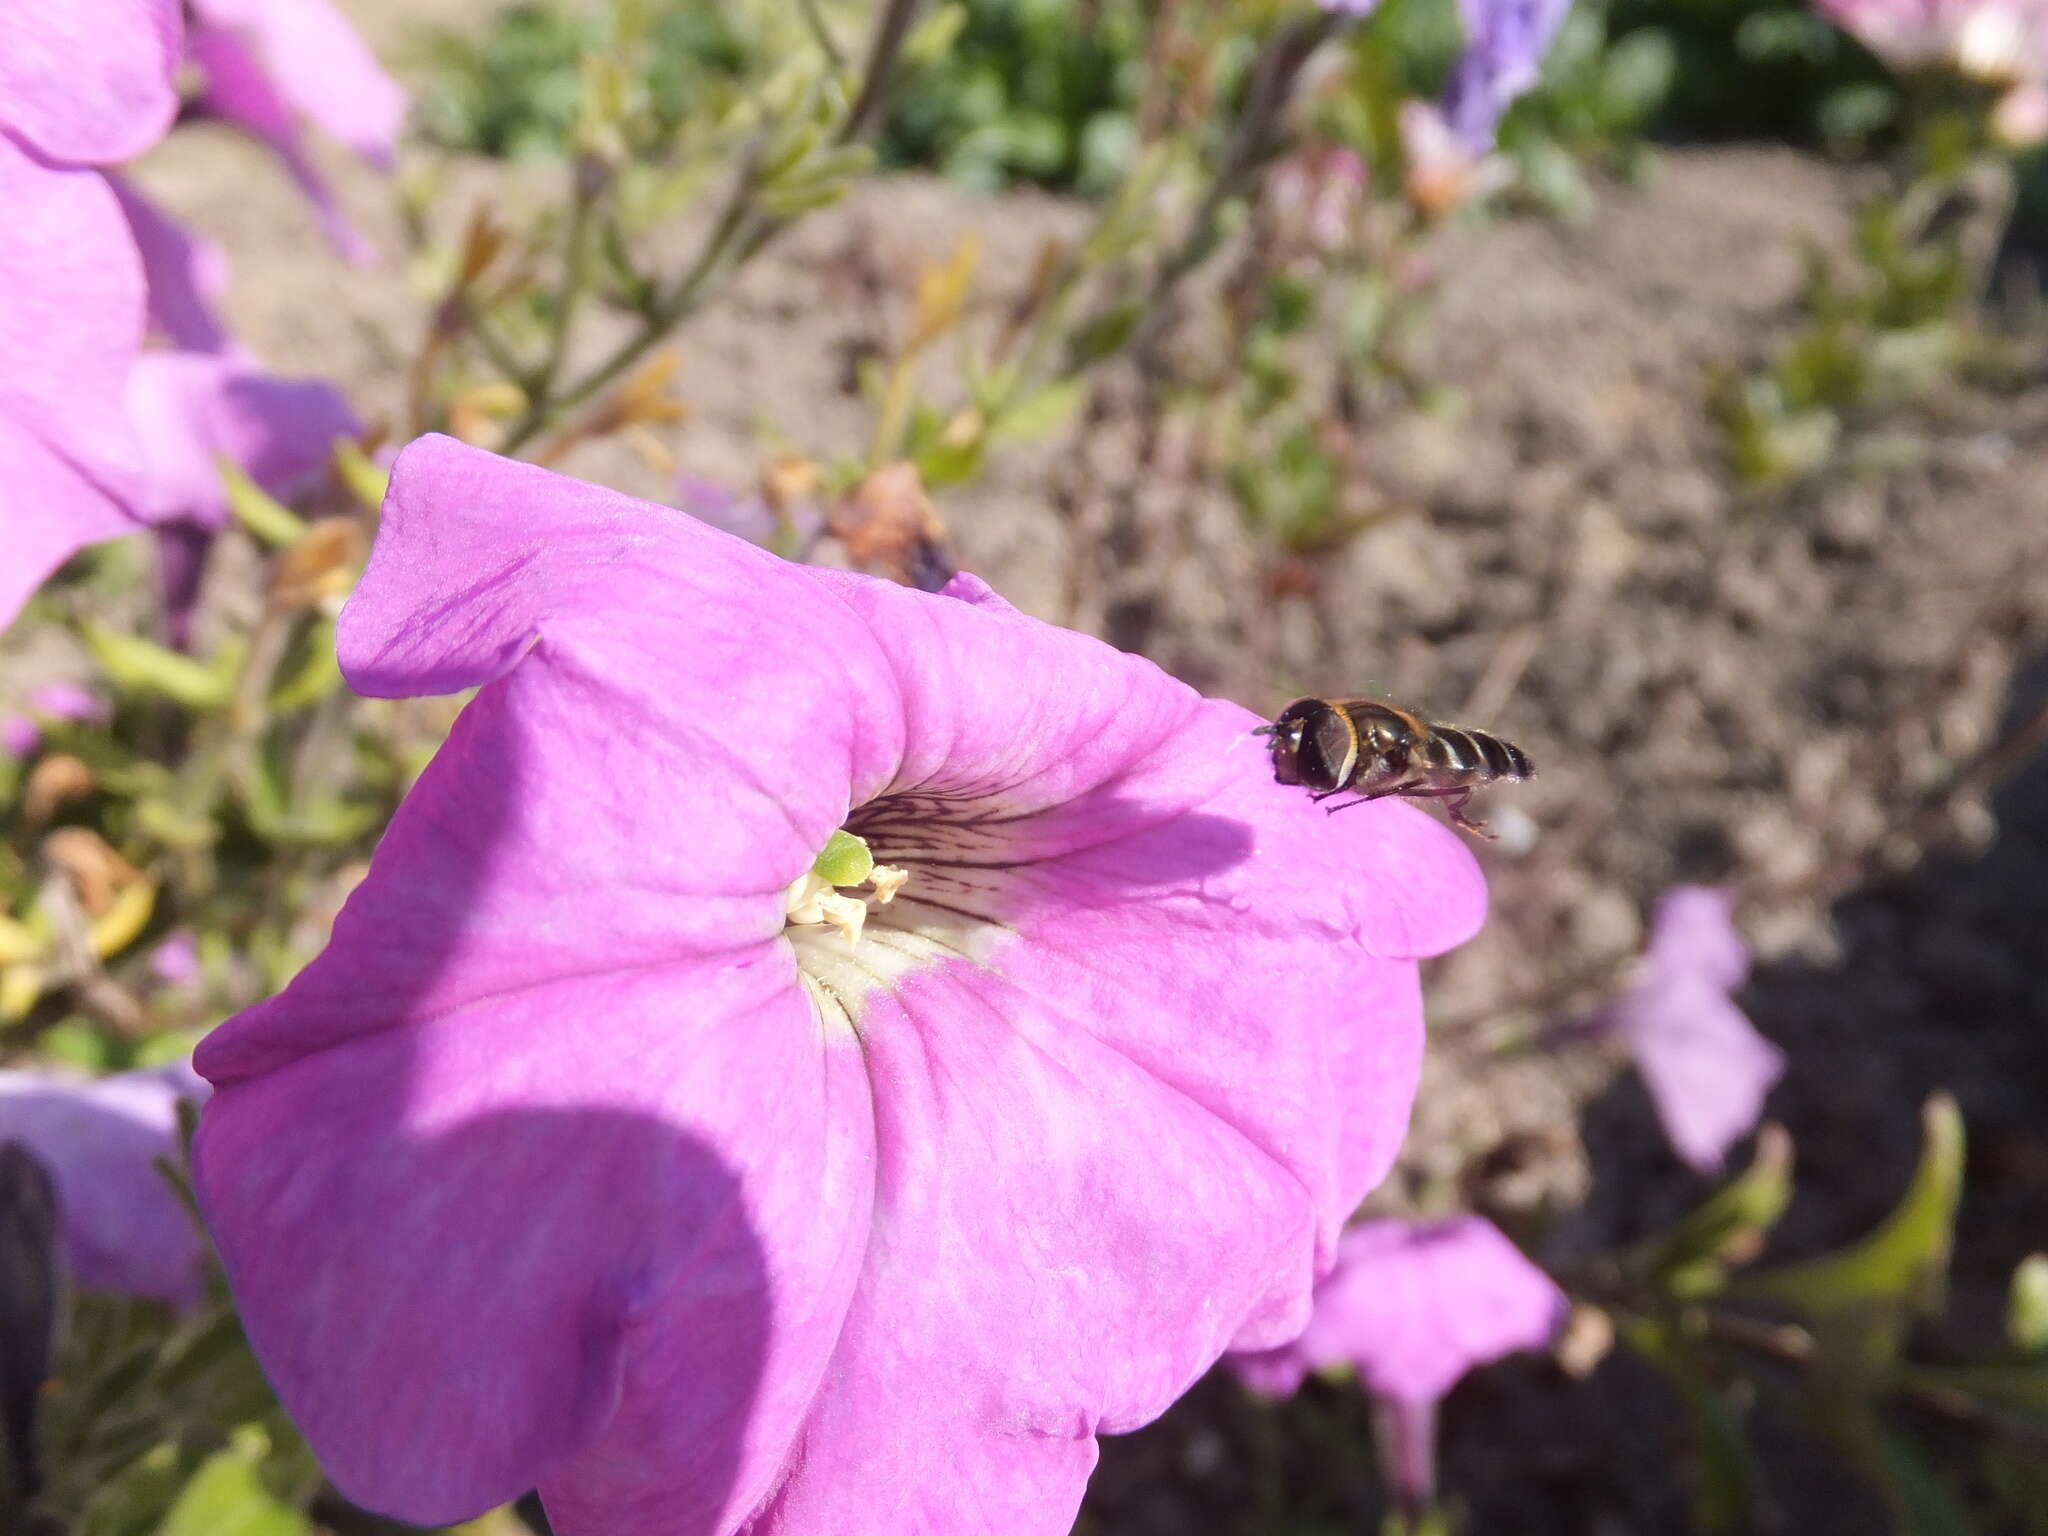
1454 805
1363 799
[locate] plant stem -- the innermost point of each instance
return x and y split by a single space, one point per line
890 31
1252 143
589 179
739 235
816 21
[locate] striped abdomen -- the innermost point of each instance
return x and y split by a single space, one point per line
1450 757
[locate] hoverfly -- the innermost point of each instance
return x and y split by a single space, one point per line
1374 750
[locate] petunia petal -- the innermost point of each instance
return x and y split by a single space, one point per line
1416 1305
318 64
124 1228
89 82
1694 932
192 409
1112 744
623 1212
238 89
48 512
71 317
186 273
1061 1244
1707 1068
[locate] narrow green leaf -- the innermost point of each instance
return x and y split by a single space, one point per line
257 510
1904 1263
142 666
1040 413
366 481
1692 1259
1921 1504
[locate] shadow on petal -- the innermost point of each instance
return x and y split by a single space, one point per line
463 1269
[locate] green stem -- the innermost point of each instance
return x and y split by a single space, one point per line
815 20
739 235
589 181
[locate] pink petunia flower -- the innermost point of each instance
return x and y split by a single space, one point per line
1706 1067
268 65
123 1227
1413 1307
586 1157
81 84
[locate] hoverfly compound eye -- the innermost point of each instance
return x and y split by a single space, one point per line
1313 745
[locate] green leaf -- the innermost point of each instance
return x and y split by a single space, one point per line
257 510
142 666
1901 1267
317 674
1692 1259
1040 413
366 481
2026 1315
226 1497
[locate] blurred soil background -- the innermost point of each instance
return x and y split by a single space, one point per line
1803 696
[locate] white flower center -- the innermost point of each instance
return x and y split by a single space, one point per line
858 927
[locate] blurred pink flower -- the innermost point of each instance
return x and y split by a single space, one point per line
2001 42
124 1229
81 83
185 274
268 64
90 82
1995 40
1320 191
717 504
21 733
192 409
1705 1065
748 515
1413 1307
175 960
585 1157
